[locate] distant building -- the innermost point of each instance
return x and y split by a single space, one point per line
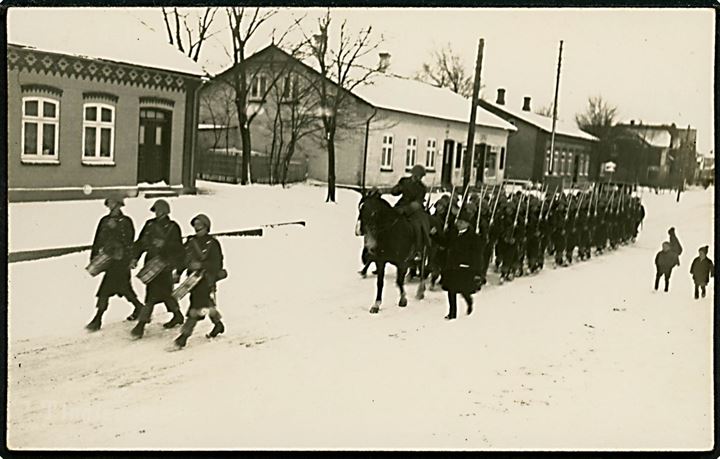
706 169
405 122
91 115
529 146
655 154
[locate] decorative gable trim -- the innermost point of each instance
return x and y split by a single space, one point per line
152 100
63 65
41 88
101 96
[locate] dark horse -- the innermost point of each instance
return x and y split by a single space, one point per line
388 239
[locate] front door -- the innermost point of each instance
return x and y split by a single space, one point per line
480 163
154 146
575 167
447 164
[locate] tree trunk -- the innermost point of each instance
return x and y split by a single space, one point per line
331 167
246 153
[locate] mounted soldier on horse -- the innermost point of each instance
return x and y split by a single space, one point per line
395 235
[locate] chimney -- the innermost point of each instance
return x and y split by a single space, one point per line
319 41
384 62
500 96
632 122
526 104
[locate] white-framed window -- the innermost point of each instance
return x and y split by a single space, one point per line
258 87
430 154
410 152
580 166
40 128
586 165
459 152
387 153
556 163
98 133
290 88
546 164
569 166
502 158
491 157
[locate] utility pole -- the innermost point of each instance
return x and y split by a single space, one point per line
554 114
467 161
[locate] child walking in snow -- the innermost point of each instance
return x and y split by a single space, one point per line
702 270
665 261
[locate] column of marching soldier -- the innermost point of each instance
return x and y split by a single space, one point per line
516 231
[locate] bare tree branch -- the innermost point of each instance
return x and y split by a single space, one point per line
167 25
446 70
177 31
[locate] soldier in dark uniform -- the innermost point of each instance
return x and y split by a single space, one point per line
639 216
571 232
558 223
601 226
583 230
202 253
533 236
462 265
160 237
483 231
411 204
436 255
114 237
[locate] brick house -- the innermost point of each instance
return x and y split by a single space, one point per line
654 154
89 116
389 126
529 146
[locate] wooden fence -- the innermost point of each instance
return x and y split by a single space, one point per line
222 165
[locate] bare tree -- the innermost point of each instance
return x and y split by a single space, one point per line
599 117
445 70
195 28
340 72
599 120
293 118
217 105
546 110
251 84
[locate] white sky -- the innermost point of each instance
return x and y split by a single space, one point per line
655 65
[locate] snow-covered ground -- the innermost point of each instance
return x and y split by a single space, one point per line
585 357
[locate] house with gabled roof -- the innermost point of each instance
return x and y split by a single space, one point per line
397 123
91 115
654 154
574 161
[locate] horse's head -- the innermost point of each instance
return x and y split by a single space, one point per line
372 211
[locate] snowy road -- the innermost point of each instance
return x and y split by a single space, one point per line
584 357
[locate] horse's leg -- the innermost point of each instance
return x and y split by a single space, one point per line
400 281
380 282
364 270
421 286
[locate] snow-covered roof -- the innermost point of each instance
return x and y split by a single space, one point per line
562 127
654 135
112 34
410 96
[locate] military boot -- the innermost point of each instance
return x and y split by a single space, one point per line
217 329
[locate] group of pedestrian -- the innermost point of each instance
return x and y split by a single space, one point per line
116 252
701 269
